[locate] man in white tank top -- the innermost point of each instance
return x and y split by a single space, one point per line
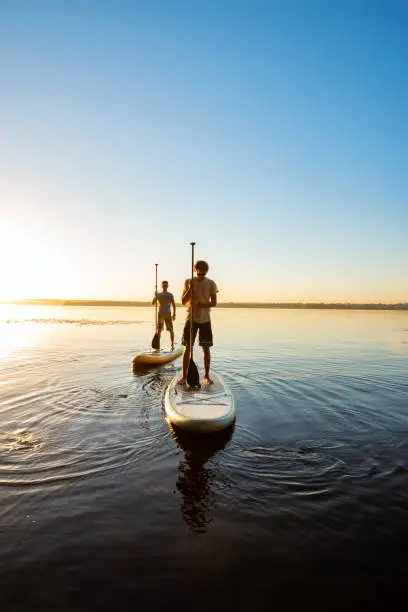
205 297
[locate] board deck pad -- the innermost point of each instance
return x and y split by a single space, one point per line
209 408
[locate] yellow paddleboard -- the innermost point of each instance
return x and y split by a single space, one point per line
153 357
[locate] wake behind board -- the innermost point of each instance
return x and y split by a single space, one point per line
152 357
208 409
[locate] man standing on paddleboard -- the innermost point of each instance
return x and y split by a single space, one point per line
205 297
166 301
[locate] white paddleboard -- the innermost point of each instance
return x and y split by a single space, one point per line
208 409
153 357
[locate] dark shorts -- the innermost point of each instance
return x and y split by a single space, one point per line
165 318
204 330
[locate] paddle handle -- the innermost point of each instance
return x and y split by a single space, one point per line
191 298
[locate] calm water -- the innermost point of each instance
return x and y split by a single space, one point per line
305 502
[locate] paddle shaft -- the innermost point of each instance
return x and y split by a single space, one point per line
192 300
156 301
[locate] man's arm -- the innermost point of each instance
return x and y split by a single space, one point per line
185 298
211 304
173 303
212 299
213 295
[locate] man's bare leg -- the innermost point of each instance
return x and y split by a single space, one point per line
207 363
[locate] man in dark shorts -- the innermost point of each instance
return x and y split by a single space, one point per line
166 301
205 297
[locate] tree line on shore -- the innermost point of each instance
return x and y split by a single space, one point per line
292 305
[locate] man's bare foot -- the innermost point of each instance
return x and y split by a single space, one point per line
172 347
181 381
208 381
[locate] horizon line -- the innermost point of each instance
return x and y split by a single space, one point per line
231 304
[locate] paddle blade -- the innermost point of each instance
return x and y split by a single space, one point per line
156 342
193 377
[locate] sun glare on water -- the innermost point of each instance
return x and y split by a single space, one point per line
14 336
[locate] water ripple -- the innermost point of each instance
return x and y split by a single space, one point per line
79 322
315 471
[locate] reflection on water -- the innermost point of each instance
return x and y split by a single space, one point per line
195 480
20 439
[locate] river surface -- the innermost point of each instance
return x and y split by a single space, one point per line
303 503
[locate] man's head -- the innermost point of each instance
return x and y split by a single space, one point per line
201 267
165 285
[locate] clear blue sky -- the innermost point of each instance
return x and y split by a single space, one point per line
273 133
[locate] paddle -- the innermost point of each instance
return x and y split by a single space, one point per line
193 377
156 339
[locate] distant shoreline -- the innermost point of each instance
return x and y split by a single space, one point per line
276 305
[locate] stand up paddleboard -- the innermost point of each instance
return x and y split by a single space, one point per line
207 409
157 357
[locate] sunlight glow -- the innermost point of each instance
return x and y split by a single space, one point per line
31 267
